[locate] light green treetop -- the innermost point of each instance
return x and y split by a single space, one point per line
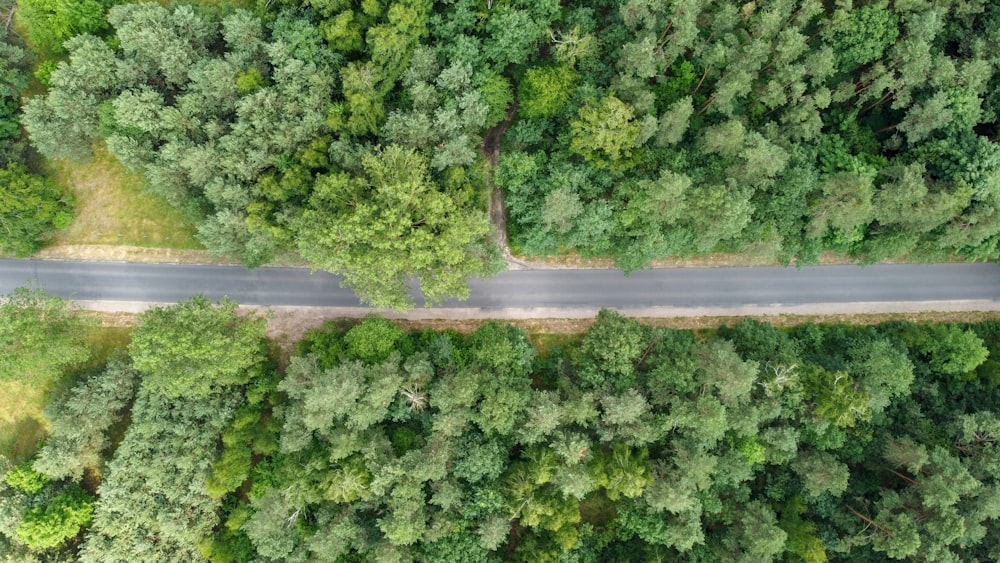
392 223
192 348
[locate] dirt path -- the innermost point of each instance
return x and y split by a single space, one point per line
498 216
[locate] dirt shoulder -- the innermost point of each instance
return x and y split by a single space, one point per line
140 254
116 253
286 325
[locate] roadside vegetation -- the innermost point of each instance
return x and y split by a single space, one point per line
32 206
626 442
44 343
364 138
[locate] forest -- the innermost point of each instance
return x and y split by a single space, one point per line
365 137
199 440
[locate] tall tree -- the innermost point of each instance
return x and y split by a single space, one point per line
32 207
393 222
195 348
40 335
80 424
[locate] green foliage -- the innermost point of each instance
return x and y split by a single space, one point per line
836 396
501 349
196 348
498 96
203 112
821 473
48 23
622 472
796 121
58 521
610 350
153 499
392 223
44 72
326 343
373 340
605 132
681 81
447 113
545 91
675 121
860 36
802 540
742 444
25 479
40 336
249 81
31 208
13 82
950 350
80 423
229 471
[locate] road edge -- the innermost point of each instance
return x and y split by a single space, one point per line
516 313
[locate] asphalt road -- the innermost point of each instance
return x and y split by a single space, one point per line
833 288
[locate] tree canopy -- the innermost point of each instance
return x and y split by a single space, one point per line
195 347
40 335
626 442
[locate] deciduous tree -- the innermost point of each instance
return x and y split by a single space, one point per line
394 222
31 208
40 335
195 348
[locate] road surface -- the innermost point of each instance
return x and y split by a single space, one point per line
541 293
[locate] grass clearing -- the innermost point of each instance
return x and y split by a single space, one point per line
545 342
22 422
112 208
22 419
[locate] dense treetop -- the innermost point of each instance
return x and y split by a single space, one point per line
635 442
782 128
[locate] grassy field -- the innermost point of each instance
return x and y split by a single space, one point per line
22 418
113 209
